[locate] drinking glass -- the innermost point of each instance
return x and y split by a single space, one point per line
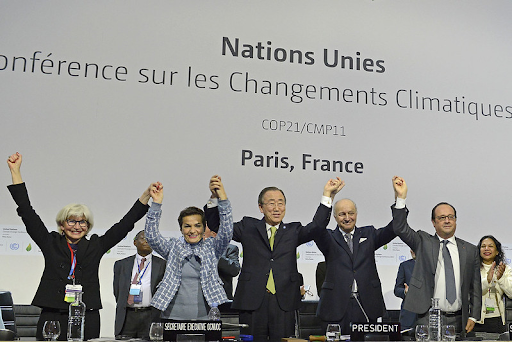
156 332
448 333
333 332
421 333
51 330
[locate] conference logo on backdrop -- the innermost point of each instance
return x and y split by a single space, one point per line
14 246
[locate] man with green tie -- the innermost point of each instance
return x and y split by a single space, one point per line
268 290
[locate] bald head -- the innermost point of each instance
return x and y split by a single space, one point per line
345 214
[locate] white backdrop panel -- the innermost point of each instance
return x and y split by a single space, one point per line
102 139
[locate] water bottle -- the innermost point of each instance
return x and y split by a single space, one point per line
434 321
76 319
214 314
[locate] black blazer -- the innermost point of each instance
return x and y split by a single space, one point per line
259 259
57 256
321 267
122 280
343 267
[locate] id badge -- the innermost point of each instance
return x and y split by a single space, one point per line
71 290
135 289
489 306
138 298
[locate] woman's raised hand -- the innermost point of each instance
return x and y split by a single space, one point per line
157 192
14 163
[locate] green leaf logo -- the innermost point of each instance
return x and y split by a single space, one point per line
29 247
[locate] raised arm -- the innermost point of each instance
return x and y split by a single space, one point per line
212 212
316 229
225 232
332 187
14 163
400 225
151 231
33 223
400 187
144 198
119 230
217 188
156 192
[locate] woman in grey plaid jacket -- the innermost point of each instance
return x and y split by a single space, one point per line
191 283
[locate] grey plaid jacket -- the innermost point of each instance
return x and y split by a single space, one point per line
175 250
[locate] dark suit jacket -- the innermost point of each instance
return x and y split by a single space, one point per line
407 318
229 267
343 267
321 267
259 259
122 280
421 286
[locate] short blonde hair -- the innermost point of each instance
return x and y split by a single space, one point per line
76 210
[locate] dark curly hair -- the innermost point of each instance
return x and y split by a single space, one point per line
500 257
189 211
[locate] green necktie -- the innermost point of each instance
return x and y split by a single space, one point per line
271 287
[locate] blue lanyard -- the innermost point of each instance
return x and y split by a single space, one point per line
142 275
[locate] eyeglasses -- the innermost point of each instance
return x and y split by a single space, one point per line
280 205
82 223
444 217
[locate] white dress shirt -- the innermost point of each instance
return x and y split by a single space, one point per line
145 280
440 280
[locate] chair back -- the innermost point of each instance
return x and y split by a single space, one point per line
7 335
26 320
6 306
308 323
508 316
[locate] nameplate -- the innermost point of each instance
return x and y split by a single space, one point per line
196 330
375 332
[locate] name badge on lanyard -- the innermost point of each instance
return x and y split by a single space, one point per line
72 289
489 305
136 292
136 289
